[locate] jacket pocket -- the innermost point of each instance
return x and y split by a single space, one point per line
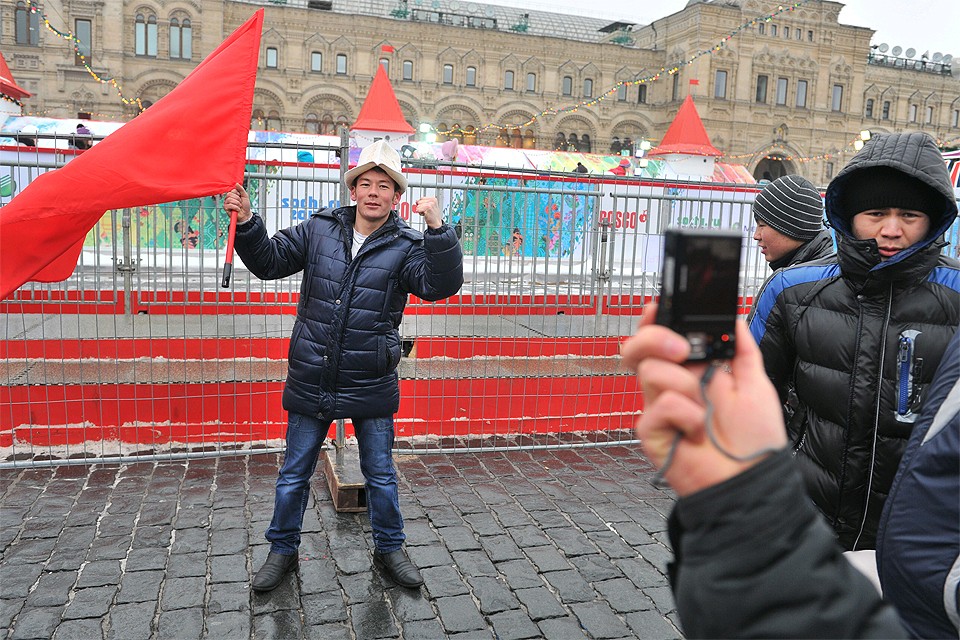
387 300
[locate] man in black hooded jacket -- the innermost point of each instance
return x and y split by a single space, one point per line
854 340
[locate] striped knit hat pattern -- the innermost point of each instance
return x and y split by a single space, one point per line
792 206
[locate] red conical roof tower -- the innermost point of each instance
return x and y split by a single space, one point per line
381 111
686 135
8 85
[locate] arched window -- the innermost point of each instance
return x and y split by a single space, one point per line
566 87
471 76
27 25
508 80
529 139
642 94
572 143
868 111
273 58
622 93
615 144
181 39
385 63
316 61
470 135
531 82
585 144
257 120
448 74
408 69
327 126
312 124
273 121
560 142
145 35
588 87
516 138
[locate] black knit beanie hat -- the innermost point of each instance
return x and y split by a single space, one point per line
792 206
883 187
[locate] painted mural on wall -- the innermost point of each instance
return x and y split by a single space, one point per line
504 221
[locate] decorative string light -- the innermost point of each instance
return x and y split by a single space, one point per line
75 42
664 71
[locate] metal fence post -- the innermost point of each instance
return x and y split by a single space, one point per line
344 165
126 265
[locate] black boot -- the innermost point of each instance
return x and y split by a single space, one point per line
274 568
397 565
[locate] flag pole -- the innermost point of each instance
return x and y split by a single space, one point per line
228 260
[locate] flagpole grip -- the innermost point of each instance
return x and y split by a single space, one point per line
228 260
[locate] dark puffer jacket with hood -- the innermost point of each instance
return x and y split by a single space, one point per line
851 343
345 345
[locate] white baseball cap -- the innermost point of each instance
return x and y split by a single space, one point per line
379 154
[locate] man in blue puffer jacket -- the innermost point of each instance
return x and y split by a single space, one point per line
359 263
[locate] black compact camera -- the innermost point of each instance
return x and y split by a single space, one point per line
699 292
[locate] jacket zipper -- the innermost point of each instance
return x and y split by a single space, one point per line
906 375
876 417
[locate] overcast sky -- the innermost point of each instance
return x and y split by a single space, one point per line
925 25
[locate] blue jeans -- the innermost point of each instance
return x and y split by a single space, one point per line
305 436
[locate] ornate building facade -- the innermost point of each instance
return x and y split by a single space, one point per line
788 94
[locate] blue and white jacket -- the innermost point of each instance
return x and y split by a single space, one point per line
851 343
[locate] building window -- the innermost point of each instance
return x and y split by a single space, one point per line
273 121
761 88
181 39
829 170
913 113
642 94
448 74
145 35
675 93
408 70
531 82
385 63
836 103
799 33
802 94
773 30
781 91
761 28
508 80
341 64
868 111
809 36
471 76
567 86
27 25
622 93
272 57
955 120
929 118
316 61
588 87
83 29
720 85
885 114
786 33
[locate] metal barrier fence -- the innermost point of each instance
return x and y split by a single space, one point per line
141 354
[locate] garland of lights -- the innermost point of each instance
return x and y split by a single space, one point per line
646 80
75 42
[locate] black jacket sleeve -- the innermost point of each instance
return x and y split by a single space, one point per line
270 258
434 270
755 560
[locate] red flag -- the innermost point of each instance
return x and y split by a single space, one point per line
387 48
695 82
191 143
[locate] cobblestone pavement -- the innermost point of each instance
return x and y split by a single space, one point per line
556 543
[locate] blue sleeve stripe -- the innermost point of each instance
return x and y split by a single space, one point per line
947 276
778 283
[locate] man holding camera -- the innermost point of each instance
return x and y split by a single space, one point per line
852 341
